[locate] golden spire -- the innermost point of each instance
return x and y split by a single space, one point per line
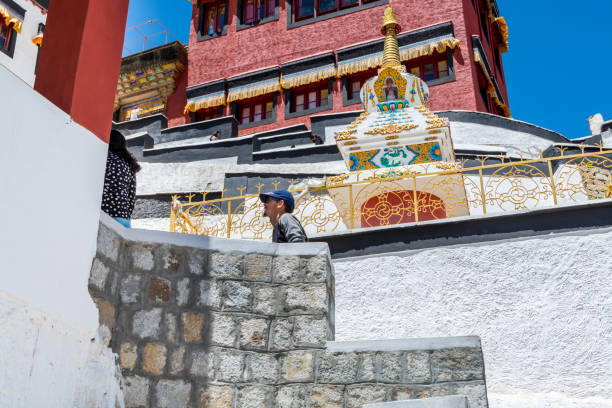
390 27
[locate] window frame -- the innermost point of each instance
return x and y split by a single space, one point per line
238 106
291 95
346 84
269 14
8 48
203 19
293 20
435 58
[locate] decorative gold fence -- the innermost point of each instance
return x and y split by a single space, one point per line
489 188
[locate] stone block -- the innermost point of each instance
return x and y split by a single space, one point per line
357 395
210 294
253 333
316 268
417 367
136 391
227 265
128 354
176 363
99 273
154 358
367 367
192 327
401 393
390 367
337 368
280 336
172 393
255 396
142 257
298 366
146 323
327 397
475 391
236 296
159 290
286 269
264 299
200 363
223 330
309 298
293 396
459 364
216 396
171 327
108 243
114 284
310 331
197 261
106 313
433 390
171 258
261 368
228 365
130 289
258 267
182 292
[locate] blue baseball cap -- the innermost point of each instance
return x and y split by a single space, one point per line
280 195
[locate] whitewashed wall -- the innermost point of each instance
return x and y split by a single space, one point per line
52 176
541 305
23 62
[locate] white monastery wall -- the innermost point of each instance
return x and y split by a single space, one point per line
541 305
52 177
23 62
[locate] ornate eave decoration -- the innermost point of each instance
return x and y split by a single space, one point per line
11 18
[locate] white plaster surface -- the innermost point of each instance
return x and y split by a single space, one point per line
23 62
48 362
541 306
512 141
52 177
206 175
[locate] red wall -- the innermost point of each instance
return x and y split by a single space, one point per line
79 63
272 44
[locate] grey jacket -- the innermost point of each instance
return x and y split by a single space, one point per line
288 229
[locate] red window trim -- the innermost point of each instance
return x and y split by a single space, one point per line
305 90
316 8
431 59
250 103
9 31
218 5
268 7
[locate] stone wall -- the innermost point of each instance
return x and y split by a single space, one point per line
204 322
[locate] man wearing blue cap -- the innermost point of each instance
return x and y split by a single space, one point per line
278 206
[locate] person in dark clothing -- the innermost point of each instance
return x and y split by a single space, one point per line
316 139
278 206
119 192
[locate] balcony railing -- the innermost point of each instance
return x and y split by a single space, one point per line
489 188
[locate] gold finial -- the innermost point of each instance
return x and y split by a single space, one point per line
390 28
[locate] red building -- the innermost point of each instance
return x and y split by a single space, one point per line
273 63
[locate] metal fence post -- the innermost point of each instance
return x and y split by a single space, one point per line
229 218
552 182
482 193
415 199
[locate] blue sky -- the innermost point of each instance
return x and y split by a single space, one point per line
557 70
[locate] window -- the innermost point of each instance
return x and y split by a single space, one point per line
215 18
208 114
304 9
484 22
485 98
431 69
256 10
7 42
307 99
256 111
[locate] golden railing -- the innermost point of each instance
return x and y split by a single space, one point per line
489 188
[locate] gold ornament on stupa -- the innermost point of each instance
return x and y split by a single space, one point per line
390 28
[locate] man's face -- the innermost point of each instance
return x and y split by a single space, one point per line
273 207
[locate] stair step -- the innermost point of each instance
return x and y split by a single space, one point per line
451 401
